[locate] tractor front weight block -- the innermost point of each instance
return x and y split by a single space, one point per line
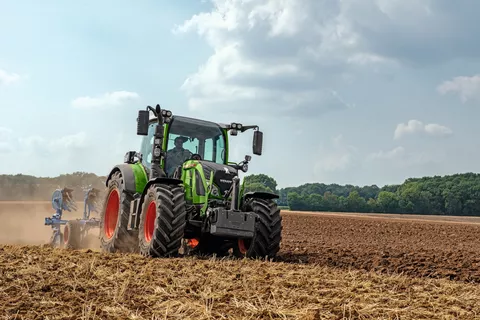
232 224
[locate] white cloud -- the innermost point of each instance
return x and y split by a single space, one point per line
5 140
107 100
437 130
52 156
287 52
468 88
78 140
42 146
285 55
387 155
337 157
400 158
417 127
7 78
5 134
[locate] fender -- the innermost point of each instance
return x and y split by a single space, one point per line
258 195
261 195
128 177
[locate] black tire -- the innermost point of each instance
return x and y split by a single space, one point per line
72 235
268 231
162 221
114 236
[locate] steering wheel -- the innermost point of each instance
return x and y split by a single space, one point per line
196 156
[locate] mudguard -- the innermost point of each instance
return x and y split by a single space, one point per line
134 176
162 181
260 195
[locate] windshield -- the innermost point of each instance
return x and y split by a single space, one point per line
187 137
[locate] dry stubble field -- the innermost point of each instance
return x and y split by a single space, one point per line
331 266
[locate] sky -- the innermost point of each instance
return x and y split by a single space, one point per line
345 91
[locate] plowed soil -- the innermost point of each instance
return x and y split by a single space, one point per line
417 247
331 266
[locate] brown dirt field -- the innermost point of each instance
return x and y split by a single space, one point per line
411 217
426 246
45 283
413 247
331 266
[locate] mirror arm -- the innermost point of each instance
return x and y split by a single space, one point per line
245 128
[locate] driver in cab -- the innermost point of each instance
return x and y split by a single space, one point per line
177 155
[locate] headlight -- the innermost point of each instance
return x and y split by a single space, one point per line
245 167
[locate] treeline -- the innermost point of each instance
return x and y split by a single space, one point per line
457 194
25 187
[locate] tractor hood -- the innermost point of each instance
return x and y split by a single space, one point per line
222 174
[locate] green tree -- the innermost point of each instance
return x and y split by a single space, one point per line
257 186
267 181
355 202
387 202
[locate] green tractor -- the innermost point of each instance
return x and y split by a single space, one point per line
165 201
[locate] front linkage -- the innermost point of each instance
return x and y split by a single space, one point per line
75 231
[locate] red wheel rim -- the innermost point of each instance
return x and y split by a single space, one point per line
149 225
242 247
111 213
65 234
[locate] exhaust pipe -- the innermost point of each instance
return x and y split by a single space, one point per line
233 203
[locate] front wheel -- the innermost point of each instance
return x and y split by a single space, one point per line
268 231
163 221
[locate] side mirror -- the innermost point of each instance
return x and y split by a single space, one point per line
257 142
142 122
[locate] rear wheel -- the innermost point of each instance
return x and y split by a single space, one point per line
163 221
268 231
72 235
114 236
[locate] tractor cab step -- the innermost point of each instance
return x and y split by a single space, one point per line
132 217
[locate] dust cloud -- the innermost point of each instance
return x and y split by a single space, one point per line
23 223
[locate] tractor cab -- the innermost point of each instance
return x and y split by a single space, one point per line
187 139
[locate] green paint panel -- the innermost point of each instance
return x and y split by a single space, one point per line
140 177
